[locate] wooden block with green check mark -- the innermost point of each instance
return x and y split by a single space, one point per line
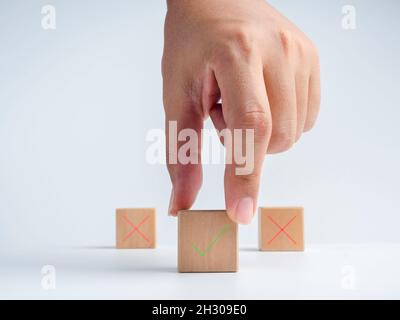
207 242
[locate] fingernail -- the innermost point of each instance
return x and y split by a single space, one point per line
244 210
171 201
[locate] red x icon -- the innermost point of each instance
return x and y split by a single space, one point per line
135 228
282 229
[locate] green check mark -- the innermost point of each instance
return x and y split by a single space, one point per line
213 241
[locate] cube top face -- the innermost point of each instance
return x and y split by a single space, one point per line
136 228
207 242
281 229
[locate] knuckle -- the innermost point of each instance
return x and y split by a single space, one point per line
242 40
307 50
237 45
249 179
303 50
282 140
297 44
312 49
258 121
286 41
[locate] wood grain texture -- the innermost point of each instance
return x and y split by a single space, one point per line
207 242
281 229
136 228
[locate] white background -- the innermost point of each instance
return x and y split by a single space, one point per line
76 104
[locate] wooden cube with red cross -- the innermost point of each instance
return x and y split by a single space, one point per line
281 229
136 228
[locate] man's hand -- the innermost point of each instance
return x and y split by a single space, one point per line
264 69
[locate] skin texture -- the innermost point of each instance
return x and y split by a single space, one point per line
265 70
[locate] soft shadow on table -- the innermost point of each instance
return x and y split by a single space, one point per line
95 247
107 258
249 249
149 269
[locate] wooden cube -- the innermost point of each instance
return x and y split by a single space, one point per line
281 229
207 242
136 228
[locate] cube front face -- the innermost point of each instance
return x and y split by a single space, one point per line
281 229
136 228
207 242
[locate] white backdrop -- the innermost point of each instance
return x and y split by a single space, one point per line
76 104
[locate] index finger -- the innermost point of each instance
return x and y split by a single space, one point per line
247 115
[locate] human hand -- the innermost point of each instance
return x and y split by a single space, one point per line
265 70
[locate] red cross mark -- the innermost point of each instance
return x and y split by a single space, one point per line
135 228
282 230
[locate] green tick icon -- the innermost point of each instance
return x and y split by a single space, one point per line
219 235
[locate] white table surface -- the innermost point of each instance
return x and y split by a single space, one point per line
338 272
